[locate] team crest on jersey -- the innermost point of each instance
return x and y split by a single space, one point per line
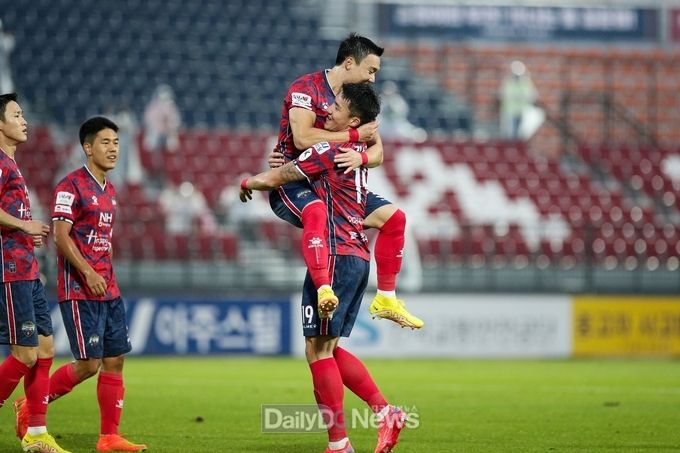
11 265
302 100
94 200
28 329
94 340
65 198
322 147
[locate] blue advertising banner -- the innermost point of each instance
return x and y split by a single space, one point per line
180 326
519 23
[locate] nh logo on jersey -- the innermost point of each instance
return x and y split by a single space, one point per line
105 219
302 100
315 243
94 200
91 237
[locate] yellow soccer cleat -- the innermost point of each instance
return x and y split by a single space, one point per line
394 309
327 302
116 442
42 443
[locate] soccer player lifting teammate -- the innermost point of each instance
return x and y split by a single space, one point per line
25 323
345 194
83 213
304 111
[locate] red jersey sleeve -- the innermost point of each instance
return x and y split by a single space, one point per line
302 93
316 161
65 201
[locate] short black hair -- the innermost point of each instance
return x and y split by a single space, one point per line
4 100
357 47
363 101
91 127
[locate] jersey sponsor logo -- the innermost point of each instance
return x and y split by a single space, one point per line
305 155
24 212
105 219
322 147
64 209
65 198
302 100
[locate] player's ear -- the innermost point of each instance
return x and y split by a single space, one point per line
354 122
87 148
349 62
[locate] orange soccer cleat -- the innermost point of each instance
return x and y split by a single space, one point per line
21 417
116 442
389 428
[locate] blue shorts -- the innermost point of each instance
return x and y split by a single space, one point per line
96 328
350 277
289 200
24 313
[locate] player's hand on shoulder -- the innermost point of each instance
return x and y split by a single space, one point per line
275 159
35 228
348 158
368 131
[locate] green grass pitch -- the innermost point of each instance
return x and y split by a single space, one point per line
463 406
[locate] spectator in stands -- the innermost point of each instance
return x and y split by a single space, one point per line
129 167
6 47
393 117
185 208
517 97
162 120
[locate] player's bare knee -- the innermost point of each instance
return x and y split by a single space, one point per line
381 215
85 369
45 347
113 364
26 355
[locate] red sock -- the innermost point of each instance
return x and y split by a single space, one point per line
110 393
389 249
11 372
329 392
62 381
315 244
37 388
356 377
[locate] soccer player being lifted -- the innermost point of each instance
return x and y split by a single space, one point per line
25 323
305 108
93 311
345 194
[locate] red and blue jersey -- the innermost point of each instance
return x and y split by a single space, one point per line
17 254
311 92
344 195
80 200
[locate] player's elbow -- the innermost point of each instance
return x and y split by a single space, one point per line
301 142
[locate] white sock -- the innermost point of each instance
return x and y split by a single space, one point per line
37 430
387 293
338 444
